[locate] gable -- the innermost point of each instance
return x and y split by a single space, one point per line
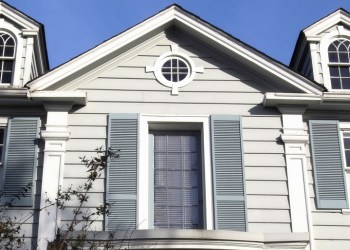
225 45
128 71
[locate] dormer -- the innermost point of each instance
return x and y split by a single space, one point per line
23 55
322 52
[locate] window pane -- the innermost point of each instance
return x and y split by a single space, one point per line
332 47
334 71
175 78
335 83
8 65
347 158
167 64
167 76
9 51
342 48
333 56
344 71
347 143
10 42
345 83
343 57
6 77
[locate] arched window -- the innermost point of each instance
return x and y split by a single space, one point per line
339 64
7 57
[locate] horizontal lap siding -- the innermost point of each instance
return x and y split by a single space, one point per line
221 89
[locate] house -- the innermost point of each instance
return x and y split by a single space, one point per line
221 146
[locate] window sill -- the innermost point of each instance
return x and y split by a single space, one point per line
204 239
345 211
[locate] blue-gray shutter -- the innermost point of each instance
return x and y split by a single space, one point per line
121 189
228 173
328 168
20 160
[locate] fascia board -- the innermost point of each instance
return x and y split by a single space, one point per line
76 97
327 22
275 99
189 22
13 92
336 97
326 101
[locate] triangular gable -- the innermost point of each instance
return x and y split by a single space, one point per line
176 16
338 16
19 17
315 31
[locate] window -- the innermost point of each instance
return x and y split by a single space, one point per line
175 69
339 64
176 172
177 179
346 141
7 57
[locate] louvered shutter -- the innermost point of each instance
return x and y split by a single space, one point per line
122 172
328 165
20 160
228 173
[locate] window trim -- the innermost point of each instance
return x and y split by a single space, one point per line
144 220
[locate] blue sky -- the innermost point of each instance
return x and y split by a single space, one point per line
271 26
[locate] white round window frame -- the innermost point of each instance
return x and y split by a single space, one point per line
174 55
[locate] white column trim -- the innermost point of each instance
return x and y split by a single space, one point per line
55 137
28 58
295 141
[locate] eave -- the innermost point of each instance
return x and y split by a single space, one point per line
326 101
74 97
186 21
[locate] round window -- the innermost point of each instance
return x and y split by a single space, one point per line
175 69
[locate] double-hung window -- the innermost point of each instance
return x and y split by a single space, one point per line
7 57
339 64
177 179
